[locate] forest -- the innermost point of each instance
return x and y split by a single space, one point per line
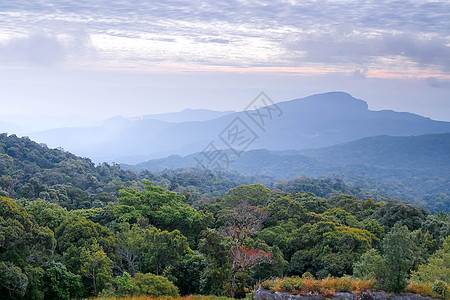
71 229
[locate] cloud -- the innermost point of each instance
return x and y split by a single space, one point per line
359 74
275 33
36 49
436 83
45 49
366 48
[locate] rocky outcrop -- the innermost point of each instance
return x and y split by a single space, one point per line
263 294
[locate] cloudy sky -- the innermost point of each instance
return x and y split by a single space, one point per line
93 59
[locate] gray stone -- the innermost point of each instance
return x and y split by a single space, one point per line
263 294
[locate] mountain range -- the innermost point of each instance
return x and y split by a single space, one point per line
316 121
412 168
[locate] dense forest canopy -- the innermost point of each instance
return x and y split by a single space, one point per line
71 229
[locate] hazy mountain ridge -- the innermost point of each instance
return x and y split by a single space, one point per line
385 152
402 167
188 115
315 121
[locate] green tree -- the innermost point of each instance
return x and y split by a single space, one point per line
13 281
216 250
124 285
97 266
76 233
163 209
326 248
438 266
130 248
45 213
286 209
253 195
24 245
397 253
394 211
437 225
59 283
349 203
371 265
189 273
153 285
342 217
163 250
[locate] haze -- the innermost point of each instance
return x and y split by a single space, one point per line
72 63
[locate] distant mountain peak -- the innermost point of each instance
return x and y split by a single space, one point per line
316 121
333 102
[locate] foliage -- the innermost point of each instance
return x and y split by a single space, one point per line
77 233
45 213
253 195
124 285
96 265
59 283
392 267
397 253
395 211
163 209
69 236
13 281
163 250
306 285
153 285
438 266
320 187
243 222
30 170
371 265
420 288
23 244
438 226
326 248
215 278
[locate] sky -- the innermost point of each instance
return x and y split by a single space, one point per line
75 62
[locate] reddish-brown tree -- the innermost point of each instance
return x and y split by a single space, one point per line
243 222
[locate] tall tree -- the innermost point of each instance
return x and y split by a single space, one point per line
244 221
397 253
97 266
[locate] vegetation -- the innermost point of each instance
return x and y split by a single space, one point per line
409 168
153 239
308 285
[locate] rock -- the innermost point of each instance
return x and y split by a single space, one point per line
263 294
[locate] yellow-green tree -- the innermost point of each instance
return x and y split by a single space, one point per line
97 266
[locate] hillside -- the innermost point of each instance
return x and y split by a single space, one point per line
70 219
32 170
316 121
410 168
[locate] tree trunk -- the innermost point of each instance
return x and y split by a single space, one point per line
93 281
233 283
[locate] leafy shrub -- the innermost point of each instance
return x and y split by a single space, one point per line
420 288
327 286
153 285
440 289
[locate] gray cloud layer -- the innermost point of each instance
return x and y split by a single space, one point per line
357 32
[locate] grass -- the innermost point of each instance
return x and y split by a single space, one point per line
307 286
310 285
430 289
328 286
